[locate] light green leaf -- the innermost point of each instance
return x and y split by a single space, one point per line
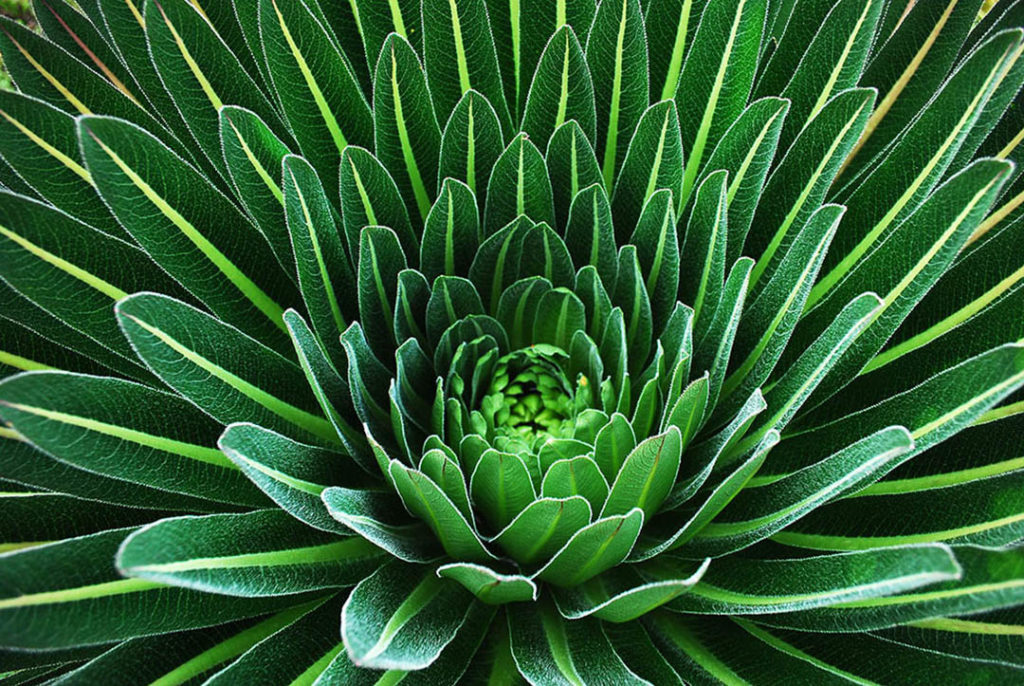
594 549
518 186
646 476
489 586
471 144
451 233
576 476
555 520
654 161
402 617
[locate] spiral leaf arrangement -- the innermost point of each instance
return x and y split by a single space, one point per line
631 341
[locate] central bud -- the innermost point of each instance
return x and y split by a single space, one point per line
532 399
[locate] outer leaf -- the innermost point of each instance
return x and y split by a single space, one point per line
451 233
501 487
314 84
557 519
325 274
653 161
459 55
561 90
590 233
261 553
377 517
292 474
369 197
221 370
716 78
471 144
402 617
380 260
118 429
406 136
186 226
617 56
572 167
60 586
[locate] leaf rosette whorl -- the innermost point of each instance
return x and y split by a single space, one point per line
486 341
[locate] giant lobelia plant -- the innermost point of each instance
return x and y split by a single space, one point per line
468 340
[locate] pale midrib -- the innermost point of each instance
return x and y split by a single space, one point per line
290 481
832 542
891 585
943 480
675 64
826 92
167 445
460 49
50 78
697 651
331 552
89 279
314 88
558 644
411 167
257 165
611 139
197 72
788 649
49 149
318 426
22 363
90 592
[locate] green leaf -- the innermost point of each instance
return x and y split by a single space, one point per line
369 197
617 57
702 263
746 151
325 274
654 161
451 233
688 412
380 260
252 155
576 476
33 518
716 78
560 314
788 394
224 372
200 73
833 62
52 596
669 23
572 167
798 187
561 90
406 135
452 299
631 295
292 474
544 253
470 144
501 487
376 20
594 549
489 586
426 500
990 579
299 651
177 658
982 512
912 168
188 228
556 520
590 233
765 508
917 251
118 429
713 351
40 143
932 411
402 617
625 593
378 518
261 553
550 650
459 55
518 186
769 320
646 476
314 84
613 445
657 248
47 255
